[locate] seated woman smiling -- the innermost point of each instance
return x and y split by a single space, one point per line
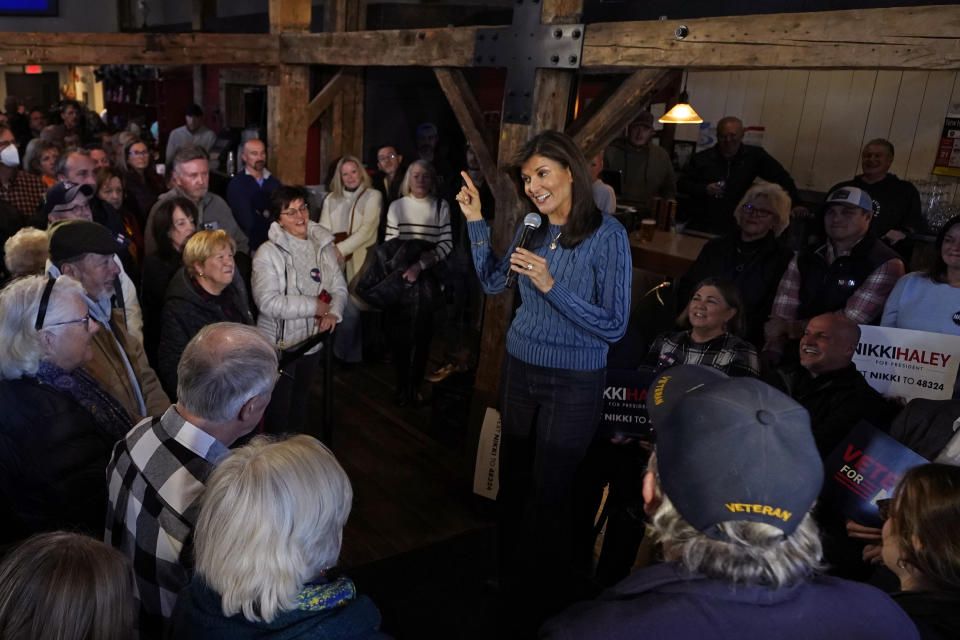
714 317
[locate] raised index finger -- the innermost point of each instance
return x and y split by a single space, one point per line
466 178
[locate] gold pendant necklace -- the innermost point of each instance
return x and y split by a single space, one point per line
553 245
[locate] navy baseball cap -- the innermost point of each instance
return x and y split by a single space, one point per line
63 193
732 449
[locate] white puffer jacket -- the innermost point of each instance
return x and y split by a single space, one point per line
288 275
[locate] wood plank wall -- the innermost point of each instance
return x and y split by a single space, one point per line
816 122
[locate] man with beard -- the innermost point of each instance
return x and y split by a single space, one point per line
248 193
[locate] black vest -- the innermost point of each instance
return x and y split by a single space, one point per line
826 287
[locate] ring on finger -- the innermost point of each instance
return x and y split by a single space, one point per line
529 267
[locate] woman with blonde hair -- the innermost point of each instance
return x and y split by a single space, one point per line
351 213
65 586
266 543
753 258
205 290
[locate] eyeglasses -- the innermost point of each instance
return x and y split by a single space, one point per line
392 156
295 210
85 320
750 210
139 153
884 508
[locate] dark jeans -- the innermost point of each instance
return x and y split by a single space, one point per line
287 411
549 417
621 468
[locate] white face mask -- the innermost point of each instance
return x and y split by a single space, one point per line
10 156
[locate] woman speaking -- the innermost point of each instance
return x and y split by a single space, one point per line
574 282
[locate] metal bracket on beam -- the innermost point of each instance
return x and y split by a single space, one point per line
523 47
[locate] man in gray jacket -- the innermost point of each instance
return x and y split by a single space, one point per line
191 179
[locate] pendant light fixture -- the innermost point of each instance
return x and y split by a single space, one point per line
682 112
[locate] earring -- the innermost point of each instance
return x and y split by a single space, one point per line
901 564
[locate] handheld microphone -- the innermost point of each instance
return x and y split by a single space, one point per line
531 222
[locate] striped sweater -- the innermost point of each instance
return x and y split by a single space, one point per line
412 218
572 325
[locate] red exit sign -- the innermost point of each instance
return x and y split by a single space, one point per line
32 69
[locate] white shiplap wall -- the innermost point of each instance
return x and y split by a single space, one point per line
816 122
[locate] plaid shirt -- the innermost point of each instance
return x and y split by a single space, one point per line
156 476
25 192
863 306
728 353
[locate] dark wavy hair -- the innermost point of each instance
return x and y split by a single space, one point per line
283 196
584 218
731 295
938 270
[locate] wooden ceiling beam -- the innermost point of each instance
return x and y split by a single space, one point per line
446 47
619 110
888 38
139 48
896 38
322 101
469 115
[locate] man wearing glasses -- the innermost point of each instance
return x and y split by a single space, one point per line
85 250
387 181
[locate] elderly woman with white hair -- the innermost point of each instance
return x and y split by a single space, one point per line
266 544
58 425
752 257
351 213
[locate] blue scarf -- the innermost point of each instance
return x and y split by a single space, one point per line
80 385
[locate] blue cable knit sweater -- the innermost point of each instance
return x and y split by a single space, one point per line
572 325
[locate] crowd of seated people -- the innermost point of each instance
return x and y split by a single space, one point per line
143 317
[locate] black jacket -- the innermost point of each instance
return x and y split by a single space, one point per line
705 213
936 613
827 287
158 271
53 461
755 267
185 312
836 401
380 282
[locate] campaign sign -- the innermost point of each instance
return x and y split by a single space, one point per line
625 405
864 468
906 363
